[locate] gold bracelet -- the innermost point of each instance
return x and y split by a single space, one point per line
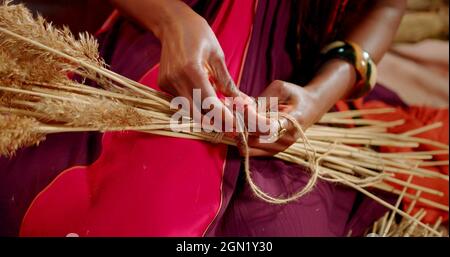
365 68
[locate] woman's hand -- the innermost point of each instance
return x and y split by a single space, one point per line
191 56
295 101
305 104
373 32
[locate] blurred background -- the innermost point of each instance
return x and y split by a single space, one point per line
424 19
79 15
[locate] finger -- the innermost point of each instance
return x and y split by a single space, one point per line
251 150
222 77
197 78
167 82
182 82
256 120
277 142
276 89
276 147
255 152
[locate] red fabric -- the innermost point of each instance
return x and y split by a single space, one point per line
145 185
109 22
416 117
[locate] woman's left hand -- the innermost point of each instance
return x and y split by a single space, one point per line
296 101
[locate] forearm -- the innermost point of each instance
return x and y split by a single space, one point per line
376 29
154 15
374 32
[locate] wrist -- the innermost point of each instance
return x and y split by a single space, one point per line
333 81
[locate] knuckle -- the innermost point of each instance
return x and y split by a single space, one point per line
191 67
278 83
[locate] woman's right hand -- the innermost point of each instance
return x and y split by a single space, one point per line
191 55
192 58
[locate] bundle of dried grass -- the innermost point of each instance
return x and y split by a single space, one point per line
390 225
37 98
17 132
385 227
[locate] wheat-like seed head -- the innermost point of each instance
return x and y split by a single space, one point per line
17 132
22 68
18 19
37 63
98 114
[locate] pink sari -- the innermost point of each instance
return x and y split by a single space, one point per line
146 185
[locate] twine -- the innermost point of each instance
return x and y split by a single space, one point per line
313 167
217 138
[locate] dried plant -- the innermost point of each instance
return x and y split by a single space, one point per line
401 227
38 98
18 19
101 114
17 132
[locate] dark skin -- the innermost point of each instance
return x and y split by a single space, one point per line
191 57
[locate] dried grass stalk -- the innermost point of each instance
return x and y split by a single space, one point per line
107 114
17 132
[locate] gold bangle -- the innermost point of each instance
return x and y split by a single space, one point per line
362 62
